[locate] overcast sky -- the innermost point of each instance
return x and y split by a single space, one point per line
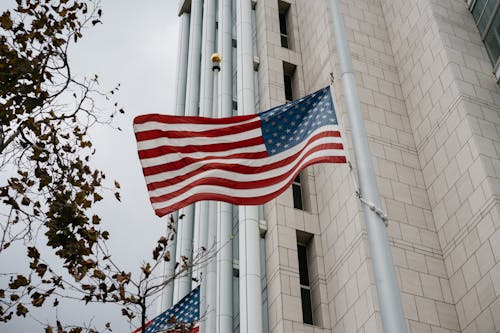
136 47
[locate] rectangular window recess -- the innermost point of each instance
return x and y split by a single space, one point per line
497 71
303 267
284 41
486 14
283 24
287 78
297 179
297 197
492 37
262 227
303 247
307 315
284 9
298 202
256 63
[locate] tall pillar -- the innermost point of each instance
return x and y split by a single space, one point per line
180 103
224 210
207 104
250 285
211 276
185 239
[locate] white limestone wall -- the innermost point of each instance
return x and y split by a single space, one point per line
424 283
284 306
454 108
432 112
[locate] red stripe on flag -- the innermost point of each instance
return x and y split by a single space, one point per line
167 119
213 133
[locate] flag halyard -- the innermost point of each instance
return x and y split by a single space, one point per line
243 160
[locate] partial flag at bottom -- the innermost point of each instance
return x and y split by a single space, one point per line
182 317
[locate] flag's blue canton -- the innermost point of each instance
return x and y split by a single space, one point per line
288 125
187 310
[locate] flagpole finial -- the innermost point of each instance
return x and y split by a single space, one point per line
216 59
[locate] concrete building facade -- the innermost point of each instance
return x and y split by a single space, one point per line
425 72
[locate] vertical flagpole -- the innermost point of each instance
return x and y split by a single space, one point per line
249 237
385 275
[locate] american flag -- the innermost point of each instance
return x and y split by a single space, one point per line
182 317
243 160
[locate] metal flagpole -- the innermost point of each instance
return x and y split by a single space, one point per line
385 276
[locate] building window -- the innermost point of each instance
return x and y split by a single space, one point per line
305 287
289 80
297 193
288 87
486 14
236 299
283 8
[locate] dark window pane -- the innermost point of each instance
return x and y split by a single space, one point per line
305 295
486 17
283 23
303 271
284 41
297 179
478 9
236 304
288 87
297 196
492 39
